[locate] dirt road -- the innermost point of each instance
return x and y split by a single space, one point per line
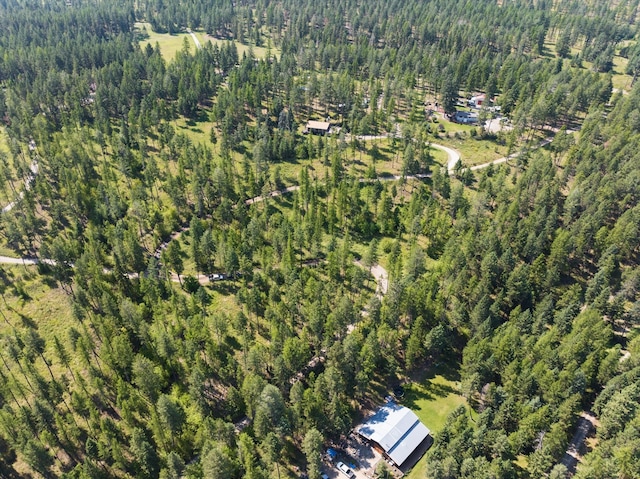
586 427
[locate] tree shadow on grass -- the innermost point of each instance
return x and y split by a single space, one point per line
9 472
423 386
226 288
233 342
448 369
49 282
378 154
27 322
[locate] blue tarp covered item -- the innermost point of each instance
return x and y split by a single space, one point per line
332 453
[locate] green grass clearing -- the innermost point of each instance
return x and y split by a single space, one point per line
440 157
521 461
199 132
6 251
35 301
472 151
433 399
169 44
620 80
172 44
4 141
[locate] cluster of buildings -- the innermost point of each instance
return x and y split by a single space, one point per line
476 102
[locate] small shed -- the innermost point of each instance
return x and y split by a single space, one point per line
318 127
396 430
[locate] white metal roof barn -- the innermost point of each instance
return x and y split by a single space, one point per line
396 429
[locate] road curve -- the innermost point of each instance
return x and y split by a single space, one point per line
512 156
454 156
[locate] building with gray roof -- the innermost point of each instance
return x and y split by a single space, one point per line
397 431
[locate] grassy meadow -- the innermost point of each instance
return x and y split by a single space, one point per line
172 44
433 398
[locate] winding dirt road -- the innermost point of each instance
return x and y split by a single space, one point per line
453 159
512 156
454 156
382 285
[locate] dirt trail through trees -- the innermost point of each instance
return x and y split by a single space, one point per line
195 39
585 427
512 156
382 286
453 159
34 168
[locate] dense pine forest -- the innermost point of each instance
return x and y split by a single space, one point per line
196 286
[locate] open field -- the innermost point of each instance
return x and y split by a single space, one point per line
620 80
472 151
172 44
433 399
169 44
198 132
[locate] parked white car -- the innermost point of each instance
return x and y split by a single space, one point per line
344 469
